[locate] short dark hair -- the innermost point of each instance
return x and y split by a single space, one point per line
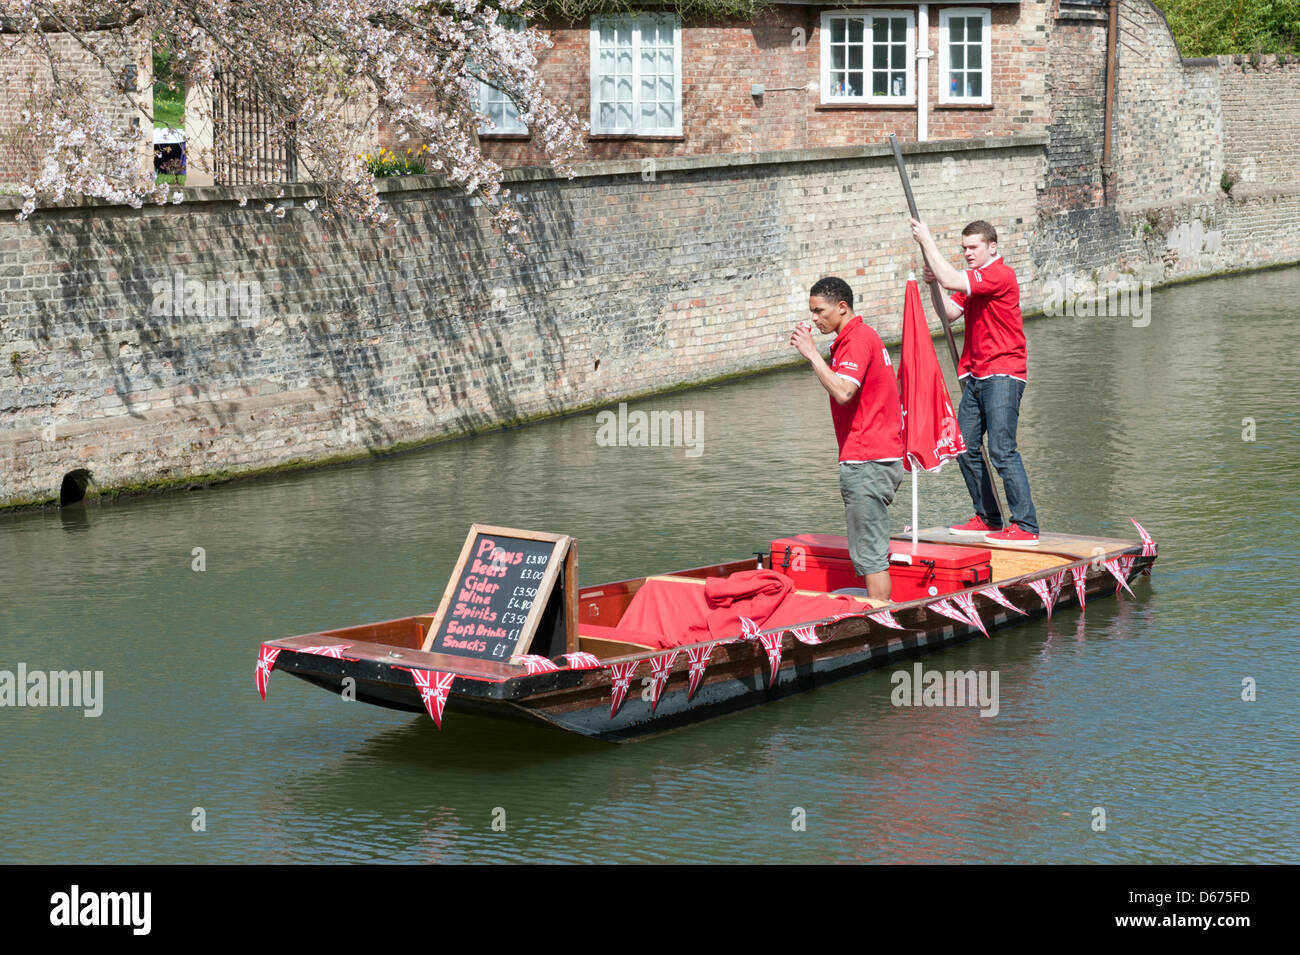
834 290
982 229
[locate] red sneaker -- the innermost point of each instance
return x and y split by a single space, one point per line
1014 536
975 527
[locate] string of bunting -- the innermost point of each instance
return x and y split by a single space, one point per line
265 664
1080 575
534 663
995 594
434 687
1120 567
966 602
660 667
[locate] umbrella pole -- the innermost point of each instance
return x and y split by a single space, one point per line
914 518
937 300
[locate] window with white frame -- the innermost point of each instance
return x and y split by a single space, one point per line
636 74
497 111
867 56
964 74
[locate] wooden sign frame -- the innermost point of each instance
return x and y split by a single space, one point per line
564 547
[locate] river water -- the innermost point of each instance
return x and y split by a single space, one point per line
1134 708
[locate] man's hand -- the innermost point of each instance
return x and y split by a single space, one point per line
921 233
926 275
801 340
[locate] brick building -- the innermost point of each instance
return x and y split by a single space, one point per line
800 75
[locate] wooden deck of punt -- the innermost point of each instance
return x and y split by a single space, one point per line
737 674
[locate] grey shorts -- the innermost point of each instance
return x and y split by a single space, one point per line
868 489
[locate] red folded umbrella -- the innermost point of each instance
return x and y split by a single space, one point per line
930 432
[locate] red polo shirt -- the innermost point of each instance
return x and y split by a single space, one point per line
995 332
869 427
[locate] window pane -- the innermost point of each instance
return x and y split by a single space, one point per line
880 57
899 26
974 84
958 57
606 115
665 93
837 29
855 84
625 89
855 30
625 62
879 84
957 29
666 62
647 61
606 88
880 30
898 84
665 115
624 115
837 57
855 57
974 52
647 89
899 58
974 29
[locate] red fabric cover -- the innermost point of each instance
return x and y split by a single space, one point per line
617 633
683 612
930 431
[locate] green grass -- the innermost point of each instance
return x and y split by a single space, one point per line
168 107
1212 27
172 179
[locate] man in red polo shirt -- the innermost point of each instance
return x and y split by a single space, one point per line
868 422
995 370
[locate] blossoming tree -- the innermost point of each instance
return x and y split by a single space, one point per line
321 71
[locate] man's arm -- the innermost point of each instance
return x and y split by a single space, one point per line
841 389
955 311
953 279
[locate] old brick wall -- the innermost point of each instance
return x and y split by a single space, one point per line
721 60
367 340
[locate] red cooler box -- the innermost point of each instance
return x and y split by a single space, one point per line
821 562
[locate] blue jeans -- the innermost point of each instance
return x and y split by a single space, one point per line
992 406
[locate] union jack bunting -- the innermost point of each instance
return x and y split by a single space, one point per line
772 644
335 651
581 660
1044 590
699 658
534 663
748 629
840 616
885 619
948 610
1148 542
1120 567
265 664
995 594
1056 582
620 678
660 667
434 687
807 635
1080 575
967 604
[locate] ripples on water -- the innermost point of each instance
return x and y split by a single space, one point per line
1134 707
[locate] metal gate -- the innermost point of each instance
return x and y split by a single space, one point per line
242 147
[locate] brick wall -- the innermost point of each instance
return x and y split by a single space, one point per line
365 340
721 60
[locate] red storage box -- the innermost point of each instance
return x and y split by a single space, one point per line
821 562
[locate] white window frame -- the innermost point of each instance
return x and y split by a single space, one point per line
596 23
986 57
909 64
512 126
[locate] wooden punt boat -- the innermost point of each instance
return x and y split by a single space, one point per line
379 662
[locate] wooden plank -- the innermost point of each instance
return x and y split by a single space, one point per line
1073 546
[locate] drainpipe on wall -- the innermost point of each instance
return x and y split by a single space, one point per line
1107 172
923 55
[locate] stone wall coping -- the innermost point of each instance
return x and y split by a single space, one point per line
393 186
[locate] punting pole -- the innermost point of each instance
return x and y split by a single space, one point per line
937 300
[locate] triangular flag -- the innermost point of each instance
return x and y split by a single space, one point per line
807 635
434 687
995 594
772 644
534 663
1080 575
699 659
1148 542
967 604
265 664
748 629
660 667
885 619
333 651
620 678
581 660
1044 590
948 610
1120 567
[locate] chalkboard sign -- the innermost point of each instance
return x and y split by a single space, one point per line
502 586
